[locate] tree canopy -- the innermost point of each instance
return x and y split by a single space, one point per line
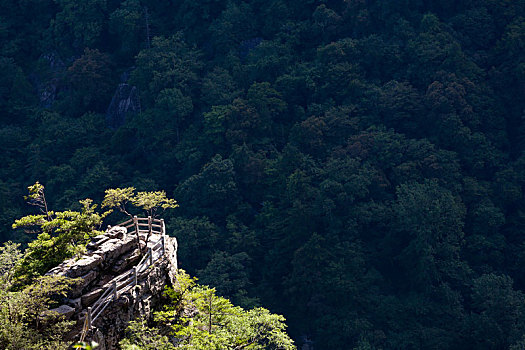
356 166
196 318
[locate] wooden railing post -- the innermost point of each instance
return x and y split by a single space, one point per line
162 227
135 275
150 252
89 317
149 226
163 247
115 290
136 222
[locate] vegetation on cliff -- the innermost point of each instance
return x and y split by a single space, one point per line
194 317
27 320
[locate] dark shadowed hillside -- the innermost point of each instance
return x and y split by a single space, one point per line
355 165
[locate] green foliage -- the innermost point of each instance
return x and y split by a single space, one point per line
433 219
200 237
219 88
118 198
26 318
61 235
232 26
493 297
86 346
151 202
127 24
10 257
356 165
142 337
214 188
229 275
170 63
78 24
15 94
92 78
174 106
196 318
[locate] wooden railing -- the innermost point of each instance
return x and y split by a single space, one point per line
155 226
129 279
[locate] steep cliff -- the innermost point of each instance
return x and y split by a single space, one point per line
118 283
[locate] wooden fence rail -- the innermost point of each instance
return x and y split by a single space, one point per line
129 279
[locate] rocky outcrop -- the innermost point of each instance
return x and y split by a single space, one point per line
47 80
125 101
111 255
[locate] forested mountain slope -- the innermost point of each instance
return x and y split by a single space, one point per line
357 166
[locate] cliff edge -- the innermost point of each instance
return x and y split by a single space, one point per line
118 282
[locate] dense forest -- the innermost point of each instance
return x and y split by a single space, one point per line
355 165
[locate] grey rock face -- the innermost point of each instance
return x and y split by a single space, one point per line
48 88
89 298
109 256
65 310
125 101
